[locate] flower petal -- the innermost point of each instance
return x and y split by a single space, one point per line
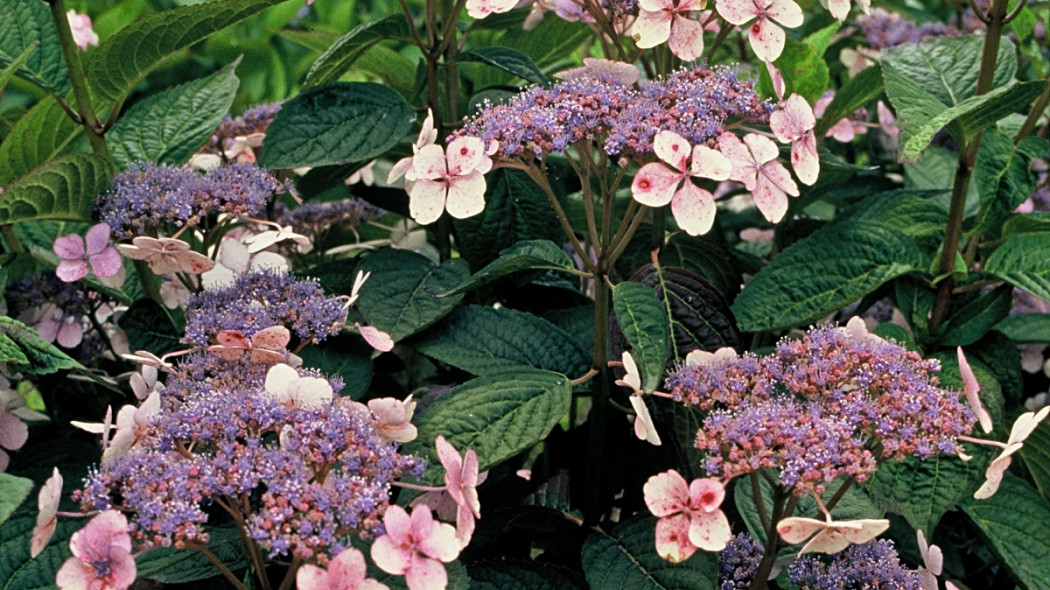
693 209
651 28
672 538
687 38
426 201
69 247
666 493
654 185
710 530
466 195
767 39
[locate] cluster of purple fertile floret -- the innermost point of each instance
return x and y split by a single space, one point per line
620 118
823 406
302 478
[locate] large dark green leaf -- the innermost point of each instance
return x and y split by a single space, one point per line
38 135
1026 327
855 93
341 54
116 66
922 491
1004 177
968 323
805 72
508 60
17 570
64 188
627 560
13 491
335 124
18 342
488 340
29 22
824 272
1036 456
525 255
345 356
1024 261
401 296
1014 521
150 327
170 126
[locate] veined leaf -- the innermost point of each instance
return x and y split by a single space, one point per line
855 93
646 325
1014 523
1003 176
1036 456
1024 261
922 491
36 137
64 188
1026 328
525 255
508 60
29 22
13 491
341 54
804 70
335 124
168 127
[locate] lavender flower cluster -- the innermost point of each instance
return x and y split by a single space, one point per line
313 219
254 120
738 562
149 200
623 119
829 404
260 299
860 567
884 29
302 478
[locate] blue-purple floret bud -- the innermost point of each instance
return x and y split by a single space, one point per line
859 567
620 118
312 219
738 562
260 299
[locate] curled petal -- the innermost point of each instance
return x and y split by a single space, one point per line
804 158
971 388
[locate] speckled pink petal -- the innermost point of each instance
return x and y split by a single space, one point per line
71 270
426 574
687 38
466 195
651 28
426 200
767 39
693 209
666 493
654 185
710 530
97 239
672 538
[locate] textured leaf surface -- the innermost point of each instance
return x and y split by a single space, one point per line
487 340
120 62
347 356
627 560
13 491
508 60
497 415
17 570
1036 456
525 255
401 296
170 126
805 72
149 327
922 491
1003 176
64 188
520 575
42 357
834 266
702 255
342 54
171 566
646 325
855 93
335 124
970 322
1024 261
1035 221
27 22
515 210
1016 523
38 135
1026 327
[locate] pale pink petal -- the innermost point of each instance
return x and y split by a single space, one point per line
655 5
710 530
313 577
745 169
779 175
828 541
666 493
426 574
792 120
346 571
932 556
481 9
390 556
769 199
97 239
971 388
397 523
464 155
672 538
737 12
709 163
1026 424
193 263
69 247
70 333
785 12
47 518
644 428
106 530
470 479
651 28
767 39
867 529
693 209
805 159
376 338
13 432
426 200
453 464
400 168
777 78
232 339
654 185
838 8
706 494
311 392
273 338
71 270
632 378
106 263
464 526
842 131
796 529
427 133
430 163
466 195
687 38
75 575
672 149
441 543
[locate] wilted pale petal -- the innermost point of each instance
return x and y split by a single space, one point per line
805 159
971 388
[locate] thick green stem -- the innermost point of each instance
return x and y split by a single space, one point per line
769 557
953 233
839 493
592 509
219 565
86 111
11 241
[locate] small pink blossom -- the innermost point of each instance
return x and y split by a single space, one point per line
845 129
53 324
75 257
451 180
932 561
395 418
461 481
667 20
481 8
755 164
101 556
1024 425
83 34
971 388
690 517
415 547
284 384
167 255
831 537
346 571
656 185
767 39
266 346
47 518
794 122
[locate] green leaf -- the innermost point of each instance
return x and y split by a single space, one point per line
120 62
42 357
1024 223
170 126
505 574
498 416
947 67
627 560
922 491
702 255
551 44
64 188
401 295
1024 261
9 72
150 327
335 124
1003 176
804 70
1014 521
347 356
829 269
38 136
525 255
338 58
486 340
820 40
645 324
1026 328
172 566
508 60
13 491
515 210
1036 456
970 322
17 570
28 23
855 93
